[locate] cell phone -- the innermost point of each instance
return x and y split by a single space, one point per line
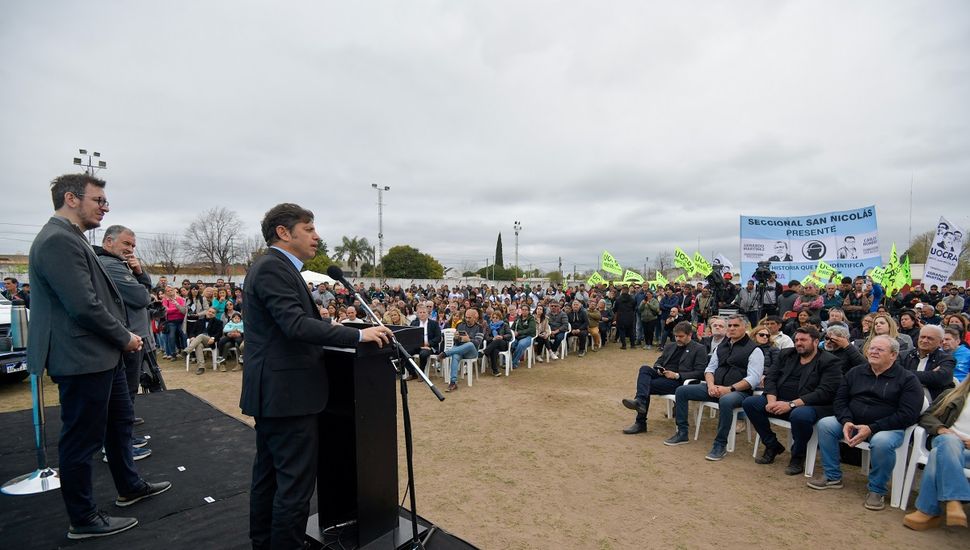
661 370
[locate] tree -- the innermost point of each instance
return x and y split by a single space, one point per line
663 262
498 252
250 249
210 238
919 250
165 251
353 250
554 277
405 262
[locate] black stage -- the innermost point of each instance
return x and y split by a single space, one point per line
215 450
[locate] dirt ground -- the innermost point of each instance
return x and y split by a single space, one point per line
537 460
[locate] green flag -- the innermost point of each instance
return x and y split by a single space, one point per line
824 271
595 279
812 279
701 265
681 279
904 277
661 280
683 261
609 264
876 274
632 277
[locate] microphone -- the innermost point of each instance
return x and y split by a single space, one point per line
337 274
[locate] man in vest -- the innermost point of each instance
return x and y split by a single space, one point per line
733 372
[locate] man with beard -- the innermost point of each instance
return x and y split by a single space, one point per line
800 388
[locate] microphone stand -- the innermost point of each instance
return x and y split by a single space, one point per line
403 365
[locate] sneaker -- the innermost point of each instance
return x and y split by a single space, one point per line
138 421
220 360
136 453
149 490
138 442
678 438
821 483
539 359
649 347
582 354
169 357
717 453
496 373
555 356
200 370
452 387
100 525
875 501
796 465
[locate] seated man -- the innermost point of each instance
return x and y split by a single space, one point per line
953 343
838 344
732 373
204 334
432 335
579 325
932 365
875 403
800 388
558 324
718 334
232 334
681 359
778 338
468 340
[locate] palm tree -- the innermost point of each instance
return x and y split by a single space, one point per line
353 250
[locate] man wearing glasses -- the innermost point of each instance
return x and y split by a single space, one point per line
874 404
78 332
734 370
799 388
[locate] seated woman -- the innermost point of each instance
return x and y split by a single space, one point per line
884 325
232 334
947 422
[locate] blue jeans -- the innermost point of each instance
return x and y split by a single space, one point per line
698 392
555 341
882 453
461 351
943 478
519 347
802 420
175 339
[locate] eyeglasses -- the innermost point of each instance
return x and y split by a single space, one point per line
102 202
762 335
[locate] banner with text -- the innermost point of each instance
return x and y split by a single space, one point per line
944 254
848 241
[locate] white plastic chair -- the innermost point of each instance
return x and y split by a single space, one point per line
205 350
812 443
563 347
715 406
920 455
899 470
670 399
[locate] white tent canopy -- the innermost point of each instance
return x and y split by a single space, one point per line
316 278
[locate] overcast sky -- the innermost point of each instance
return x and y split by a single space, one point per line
631 126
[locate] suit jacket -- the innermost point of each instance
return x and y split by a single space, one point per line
285 373
692 361
434 332
818 381
77 317
935 381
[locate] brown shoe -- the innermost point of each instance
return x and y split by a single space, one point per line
918 521
222 368
955 516
235 369
452 387
200 370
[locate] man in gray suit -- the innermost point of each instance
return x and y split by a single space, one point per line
78 332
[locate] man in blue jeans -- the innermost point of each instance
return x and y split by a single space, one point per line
874 404
734 370
468 340
799 388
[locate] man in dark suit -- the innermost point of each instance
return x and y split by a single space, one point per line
284 379
432 335
681 359
932 365
799 388
78 332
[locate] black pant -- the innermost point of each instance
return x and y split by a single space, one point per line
492 349
583 338
133 361
538 343
649 328
227 341
96 411
423 355
284 472
650 382
624 332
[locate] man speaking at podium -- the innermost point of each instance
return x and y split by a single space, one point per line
284 379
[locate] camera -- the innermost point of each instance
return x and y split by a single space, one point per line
763 273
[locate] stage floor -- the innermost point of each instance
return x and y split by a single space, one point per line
201 450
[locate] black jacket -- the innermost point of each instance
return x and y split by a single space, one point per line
692 361
890 401
578 320
818 381
285 374
434 333
624 309
849 357
938 375
211 327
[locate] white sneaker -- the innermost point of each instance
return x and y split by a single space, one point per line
539 359
555 356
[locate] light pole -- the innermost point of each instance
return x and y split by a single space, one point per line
518 227
90 169
380 224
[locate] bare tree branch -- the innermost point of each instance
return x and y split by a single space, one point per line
210 238
165 251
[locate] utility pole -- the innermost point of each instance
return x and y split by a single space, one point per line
380 225
562 278
518 227
90 168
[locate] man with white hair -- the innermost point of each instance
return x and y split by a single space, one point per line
933 366
875 403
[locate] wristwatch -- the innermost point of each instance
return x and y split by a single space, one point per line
792 404
733 389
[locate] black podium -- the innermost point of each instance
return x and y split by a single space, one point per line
357 472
